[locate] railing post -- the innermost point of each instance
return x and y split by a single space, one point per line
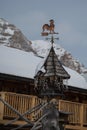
81 115
32 105
59 105
2 95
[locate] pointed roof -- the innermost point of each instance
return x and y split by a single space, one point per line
53 66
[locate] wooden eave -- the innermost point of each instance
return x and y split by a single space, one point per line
4 76
77 90
18 78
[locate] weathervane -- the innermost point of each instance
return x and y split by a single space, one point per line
48 29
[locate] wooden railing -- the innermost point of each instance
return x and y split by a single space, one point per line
85 114
23 103
20 102
78 110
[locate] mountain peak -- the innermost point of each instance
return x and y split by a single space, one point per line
11 36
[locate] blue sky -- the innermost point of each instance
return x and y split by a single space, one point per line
70 18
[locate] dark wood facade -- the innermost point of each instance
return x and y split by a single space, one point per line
11 83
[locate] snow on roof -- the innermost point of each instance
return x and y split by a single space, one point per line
76 80
19 63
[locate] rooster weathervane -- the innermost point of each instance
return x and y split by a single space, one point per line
48 29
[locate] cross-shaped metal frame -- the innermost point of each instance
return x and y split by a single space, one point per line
34 125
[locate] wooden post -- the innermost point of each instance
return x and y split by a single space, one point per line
81 115
2 95
32 105
59 105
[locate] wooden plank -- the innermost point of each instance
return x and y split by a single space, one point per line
75 127
81 115
14 123
2 95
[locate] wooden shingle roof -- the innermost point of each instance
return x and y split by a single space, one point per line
53 66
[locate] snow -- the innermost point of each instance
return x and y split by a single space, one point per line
2 21
42 47
17 62
24 64
76 79
8 30
85 76
40 67
5 39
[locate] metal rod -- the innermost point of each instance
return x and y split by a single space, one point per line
41 108
38 127
21 126
36 123
27 112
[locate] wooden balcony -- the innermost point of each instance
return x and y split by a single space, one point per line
22 103
19 102
78 118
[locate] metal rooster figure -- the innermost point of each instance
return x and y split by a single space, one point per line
50 117
48 29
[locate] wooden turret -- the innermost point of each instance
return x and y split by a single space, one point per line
49 78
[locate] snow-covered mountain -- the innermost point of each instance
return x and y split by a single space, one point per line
11 36
42 47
